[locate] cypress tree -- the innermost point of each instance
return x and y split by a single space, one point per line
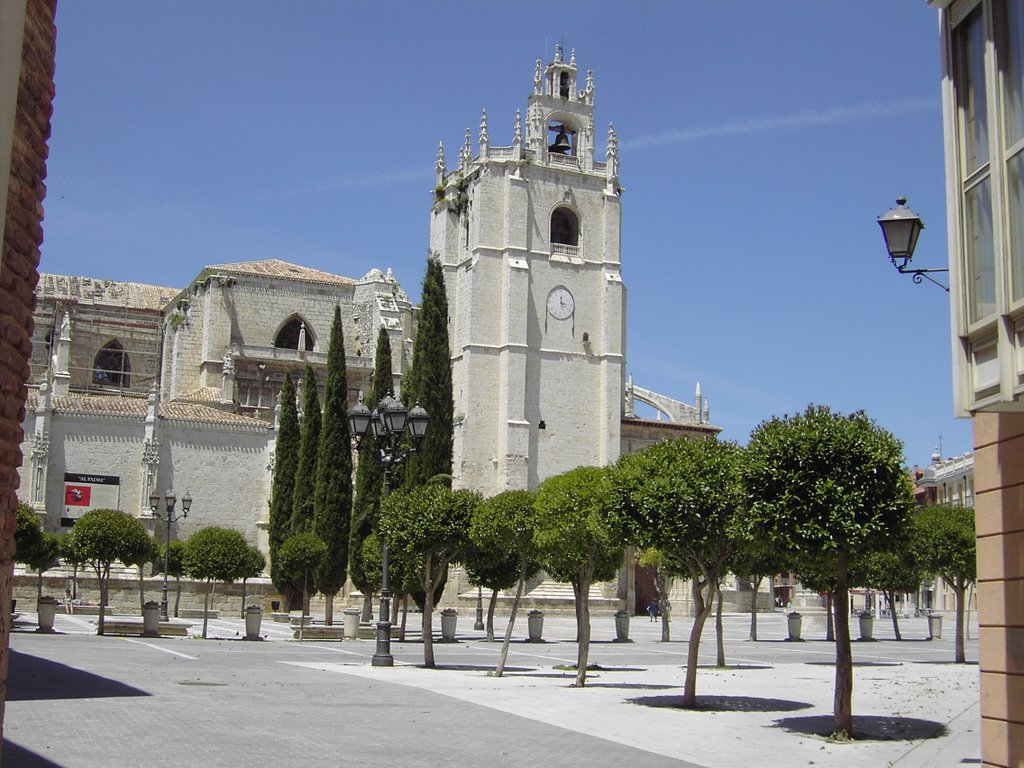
429 382
333 496
305 474
369 476
286 460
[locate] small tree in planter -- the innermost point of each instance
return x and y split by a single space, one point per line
175 568
299 557
890 572
100 538
254 564
214 554
146 554
69 554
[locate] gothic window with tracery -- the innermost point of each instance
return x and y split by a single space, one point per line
288 336
112 367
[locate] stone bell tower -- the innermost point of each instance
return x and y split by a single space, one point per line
528 236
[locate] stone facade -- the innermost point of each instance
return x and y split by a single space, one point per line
27 40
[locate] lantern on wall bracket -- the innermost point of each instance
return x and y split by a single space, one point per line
901 228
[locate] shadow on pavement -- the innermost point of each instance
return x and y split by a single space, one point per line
30 678
857 663
724 704
867 727
23 758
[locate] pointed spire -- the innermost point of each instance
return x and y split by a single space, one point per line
559 54
613 159
467 150
537 79
572 58
484 138
517 134
439 167
699 403
707 411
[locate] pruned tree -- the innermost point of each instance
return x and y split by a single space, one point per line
369 481
255 563
890 571
577 541
429 524
755 559
214 554
301 555
944 544
502 532
429 381
664 570
145 555
282 490
175 568
102 537
684 497
333 497
303 497
822 482
34 547
70 555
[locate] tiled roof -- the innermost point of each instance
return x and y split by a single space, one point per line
91 290
278 268
203 395
136 407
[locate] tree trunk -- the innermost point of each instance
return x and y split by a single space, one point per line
830 609
103 580
394 608
661 592
702 609
142 592
177 595
890 598
719 632
302 616
583 626
243 597
74 582
428 614
367 614
959 588
39 586
842 711
405 617
329 609
206 605
500 669
754 585
491 605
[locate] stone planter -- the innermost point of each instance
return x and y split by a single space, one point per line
352 623
253 622
934 627
151 619
47 610
867 626
449 616
794 622
622 627
535 626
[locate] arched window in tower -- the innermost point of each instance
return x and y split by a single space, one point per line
112 368
563 85
565 231
292 332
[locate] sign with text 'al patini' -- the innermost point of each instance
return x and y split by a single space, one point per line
85 492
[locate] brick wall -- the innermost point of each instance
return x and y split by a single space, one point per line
22 236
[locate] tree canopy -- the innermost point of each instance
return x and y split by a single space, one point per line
822 482
102 537
683 497
577 540
215 554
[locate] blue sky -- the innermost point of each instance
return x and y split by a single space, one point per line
758 144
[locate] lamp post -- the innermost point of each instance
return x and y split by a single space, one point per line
387 424
901 228
168 517
479 608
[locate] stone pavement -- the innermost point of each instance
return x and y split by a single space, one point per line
79 700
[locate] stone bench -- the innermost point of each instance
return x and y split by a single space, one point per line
197 613
321 632
129 626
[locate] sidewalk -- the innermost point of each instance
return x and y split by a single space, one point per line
912 709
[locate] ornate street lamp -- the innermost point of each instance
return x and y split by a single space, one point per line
170 500
388 424
901 228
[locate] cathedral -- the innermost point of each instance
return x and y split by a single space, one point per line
139 389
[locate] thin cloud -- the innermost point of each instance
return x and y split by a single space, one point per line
802 119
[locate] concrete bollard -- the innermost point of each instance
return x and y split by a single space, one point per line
151 619
253 622
352 623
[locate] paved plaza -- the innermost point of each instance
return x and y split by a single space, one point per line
75 699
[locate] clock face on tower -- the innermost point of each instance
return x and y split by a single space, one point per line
560 303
